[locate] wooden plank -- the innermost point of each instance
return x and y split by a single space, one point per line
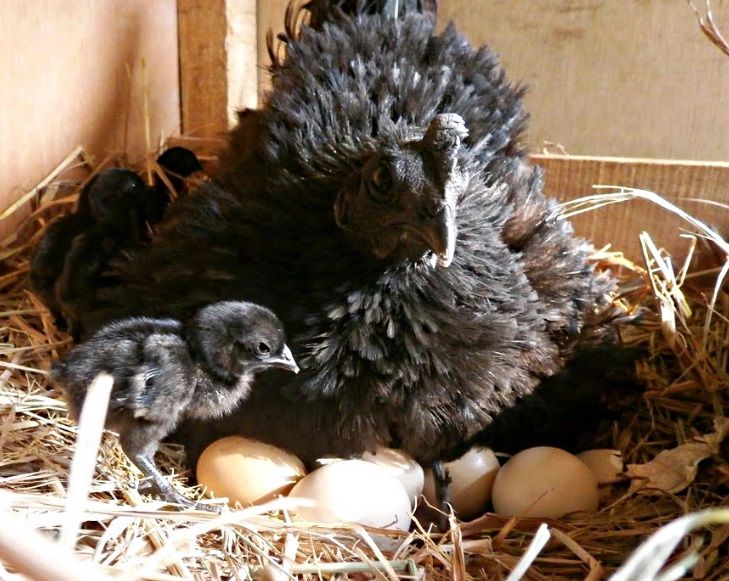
72 74
218 61
680 182
633 78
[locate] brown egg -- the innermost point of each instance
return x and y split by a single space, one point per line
354 491
472 478
544 482
247 471
606 465
401 465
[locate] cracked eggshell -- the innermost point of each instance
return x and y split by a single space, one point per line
354 491
472 479
247 471
544 482
402 466
606 465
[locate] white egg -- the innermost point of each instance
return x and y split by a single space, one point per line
354 491
472 478
401 465
544 482
247 471
606 465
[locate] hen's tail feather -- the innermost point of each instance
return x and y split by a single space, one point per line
315 13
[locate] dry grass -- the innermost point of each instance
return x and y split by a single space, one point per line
672 439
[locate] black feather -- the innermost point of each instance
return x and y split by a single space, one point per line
164 372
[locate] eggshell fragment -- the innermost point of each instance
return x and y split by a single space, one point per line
606 465
354 491
247 471
544 482
402 466
472 479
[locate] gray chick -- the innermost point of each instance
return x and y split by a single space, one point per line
165 371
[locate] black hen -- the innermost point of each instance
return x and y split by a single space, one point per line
163 372
382 204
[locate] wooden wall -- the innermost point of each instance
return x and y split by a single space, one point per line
64 76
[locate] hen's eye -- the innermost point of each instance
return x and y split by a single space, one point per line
263 349
380 184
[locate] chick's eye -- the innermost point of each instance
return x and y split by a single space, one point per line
380 184
263 349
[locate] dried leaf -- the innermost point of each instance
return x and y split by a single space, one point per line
673 470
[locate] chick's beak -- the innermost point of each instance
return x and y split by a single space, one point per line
440 235
284 361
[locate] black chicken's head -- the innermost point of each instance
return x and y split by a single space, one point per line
236 338
401 205
112 197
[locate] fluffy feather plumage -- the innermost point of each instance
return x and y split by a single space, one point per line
395 350
164 371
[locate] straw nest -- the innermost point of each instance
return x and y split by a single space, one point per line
96 524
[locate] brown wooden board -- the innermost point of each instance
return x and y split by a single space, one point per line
73 73
680 182
218 76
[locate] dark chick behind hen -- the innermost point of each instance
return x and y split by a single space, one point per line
382 204
164 372
114 200
109 203
178 164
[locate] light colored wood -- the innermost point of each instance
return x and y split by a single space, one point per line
72 75
218 60
614 78
203 87
680 182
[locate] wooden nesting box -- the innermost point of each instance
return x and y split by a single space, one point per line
630 90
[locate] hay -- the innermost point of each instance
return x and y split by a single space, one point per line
116 532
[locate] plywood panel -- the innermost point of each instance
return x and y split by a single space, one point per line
680 182
218 63
72 74
612 78
630 78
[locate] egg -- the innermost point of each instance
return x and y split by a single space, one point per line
606 465
544 482
247 471
472 478
354 491
402 466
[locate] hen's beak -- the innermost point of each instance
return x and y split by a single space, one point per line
440 235
284 361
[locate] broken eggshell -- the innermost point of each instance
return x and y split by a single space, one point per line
606 465
402 466
472 479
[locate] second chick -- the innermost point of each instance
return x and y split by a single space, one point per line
164 372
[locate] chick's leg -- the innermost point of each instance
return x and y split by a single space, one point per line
140 444
164 488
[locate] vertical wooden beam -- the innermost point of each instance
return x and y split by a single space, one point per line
218 60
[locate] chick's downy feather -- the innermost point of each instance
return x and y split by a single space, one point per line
334 203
